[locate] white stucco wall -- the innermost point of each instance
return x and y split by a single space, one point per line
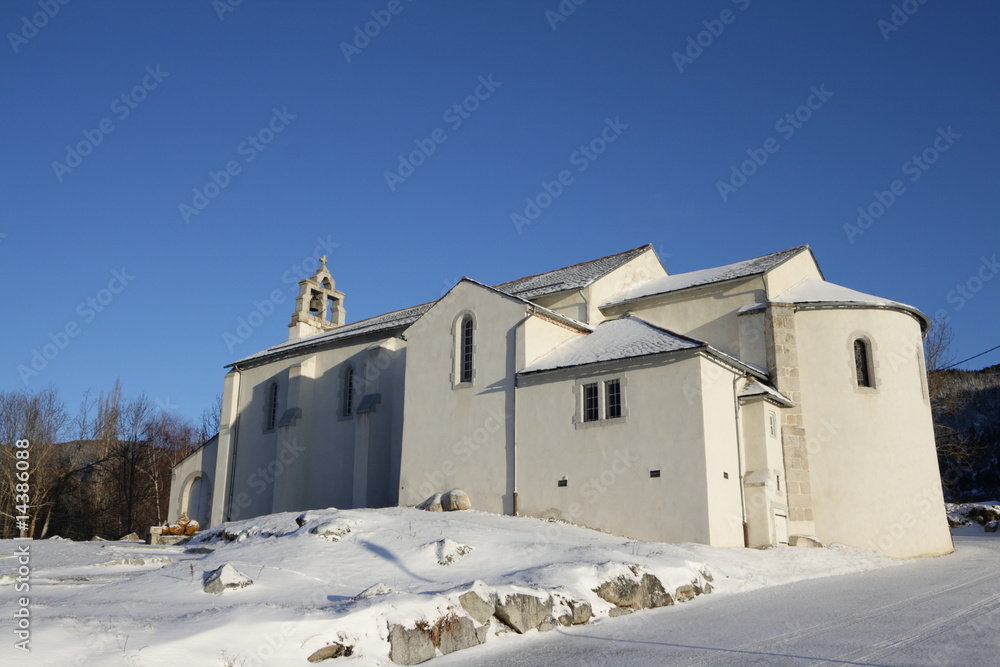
791 271
723 457
872 461
607 465
458 435
707 313
638 270
191 484
310 462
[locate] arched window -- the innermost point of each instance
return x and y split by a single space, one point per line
862 363
349 391
271 408
466 348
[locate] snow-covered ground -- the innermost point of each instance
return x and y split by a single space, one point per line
344 576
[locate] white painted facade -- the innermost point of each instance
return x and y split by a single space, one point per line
722 406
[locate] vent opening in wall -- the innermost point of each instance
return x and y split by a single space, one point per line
654 473
725 475
562 482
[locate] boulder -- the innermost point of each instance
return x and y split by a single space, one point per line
374 591
983 515
803 541
685 593
410 646
455 500
450 551
582 612
332 651
477 607
131 537
646 593
432 504
225 577
455 633
331 530
615 612
991 527
523 611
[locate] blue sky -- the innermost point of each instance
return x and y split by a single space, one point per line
169 168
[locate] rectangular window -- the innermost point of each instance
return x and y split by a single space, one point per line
613 399
591 409
772 420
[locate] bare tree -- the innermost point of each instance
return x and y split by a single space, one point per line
947 400
39 419
210 419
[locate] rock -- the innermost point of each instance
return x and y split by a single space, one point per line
198 550
374 591
991 527
477 607
455 500
803 541
565 620
410 646
456 633
983 515
685 593
647 593
582 612
331 530
450 551
432 504
332 651
523 611
546 625
131 537
619 611
97 538
225 577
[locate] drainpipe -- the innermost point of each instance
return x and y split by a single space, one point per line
514 508
739 460
232 455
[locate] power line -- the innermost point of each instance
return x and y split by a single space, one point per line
970 358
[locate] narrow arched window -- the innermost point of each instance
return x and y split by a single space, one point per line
349 392
862 363
271 409
466 349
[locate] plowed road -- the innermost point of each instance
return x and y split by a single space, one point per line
935 611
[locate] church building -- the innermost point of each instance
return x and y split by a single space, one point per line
746 405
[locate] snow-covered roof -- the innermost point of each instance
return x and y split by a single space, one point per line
820 292
573 277
681 281
576 276
758 388
385 323
624 338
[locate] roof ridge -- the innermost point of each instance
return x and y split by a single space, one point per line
669 332
572 266
798 248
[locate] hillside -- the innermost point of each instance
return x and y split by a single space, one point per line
971 414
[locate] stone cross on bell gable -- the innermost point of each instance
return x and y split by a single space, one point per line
322 260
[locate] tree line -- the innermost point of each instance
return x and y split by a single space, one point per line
103 471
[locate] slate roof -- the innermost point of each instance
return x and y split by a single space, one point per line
397 319
623 338
572 277
569 278
681 281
